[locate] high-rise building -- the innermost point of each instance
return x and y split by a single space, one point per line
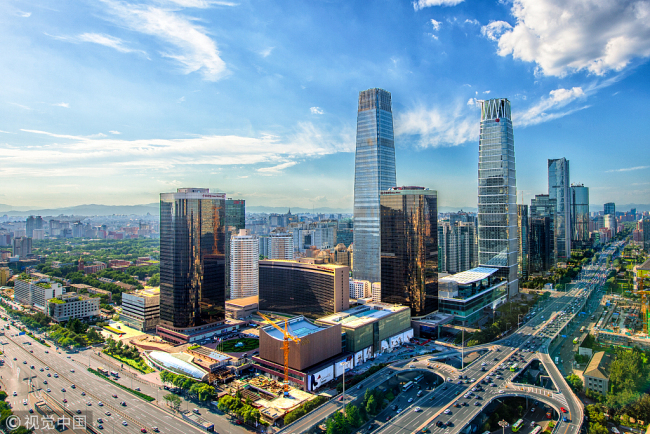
497 192
558 189
580 216
303 288
645 225
22 246
522 240
543 206
610 208
345 232
236 213
192 258
33 222
244 268
457 246
540 244
280 245
374 171
409 248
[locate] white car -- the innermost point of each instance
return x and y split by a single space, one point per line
447 411
124 423
501 391
410 400
416 409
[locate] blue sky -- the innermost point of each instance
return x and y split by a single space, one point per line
113 101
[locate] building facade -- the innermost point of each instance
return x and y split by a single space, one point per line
33 222
596 374
374 171
645 225
36 291
540 245
523 232
497 192
280 245
141 309
303 288
409 248
360 289
22 246
72 305
244 265
558 189
192 258
457 246
543 206
609 208
580 216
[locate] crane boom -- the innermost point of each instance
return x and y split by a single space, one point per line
285 347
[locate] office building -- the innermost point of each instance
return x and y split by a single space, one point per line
240 308
523 231
244 269
341 255
280 245
303 288
374 171
236 213
372 328
609 222
71 305
35 291
38 234
542 206
457 246
376 292
609 208
497 192
320 235
596 373
540 245
472 295
22 246
558 189
141 309
580 216
409 248
345 232
5 275
192 258
360 289
33 222
645 225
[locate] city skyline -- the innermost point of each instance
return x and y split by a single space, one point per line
101 105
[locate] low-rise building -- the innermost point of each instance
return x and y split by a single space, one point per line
596 374
35 292
240 308
71 305
92 290
141 309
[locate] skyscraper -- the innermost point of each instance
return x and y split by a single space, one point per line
580 216
192 258
280 245
374 171
409 248
497 192
610 208
33 223
558 189
645 226
457 246
235 220
244 264
522 240
541 256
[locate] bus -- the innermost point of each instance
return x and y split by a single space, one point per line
575 340
102 370
514 367
517 425
537 430
115 374
407 386
419 378
582 329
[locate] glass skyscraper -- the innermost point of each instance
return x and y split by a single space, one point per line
409 248
192 258
580 216
522 237
497 192
558 189
541 255
374 171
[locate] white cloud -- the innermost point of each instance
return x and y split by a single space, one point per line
62 104
266 52
435 24
421 4
546 109
190 45
437 127
566 36
473 21
316 110
487 91
180 100
472 102
278 168
108 41
201 3
6 132
24 107
24 14
495 29
629 169
115 132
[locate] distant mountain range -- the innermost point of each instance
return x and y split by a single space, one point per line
154 209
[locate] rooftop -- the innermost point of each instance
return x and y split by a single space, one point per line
303 263
244 301
362 315
470 276
645 266
599 365
297 327
148 292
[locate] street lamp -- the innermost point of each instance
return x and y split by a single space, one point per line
503 424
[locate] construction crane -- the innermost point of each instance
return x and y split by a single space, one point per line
644 303
285 346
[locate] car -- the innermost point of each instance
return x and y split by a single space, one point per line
532 410
24 362
417 409
143 430
399 410
24 402
47 368
73 386
123 404
563 410
47 352
444 387
83 393
41 369
439 424
114 396
100 426
447 411
359 387
56 375
238 422
72 370
100 420
565 419
65 400
124 423
388 417
89 403
478 404
48 390
501 391
14 358
108 413
155 429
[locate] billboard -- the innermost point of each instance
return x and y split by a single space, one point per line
367 353
358 358
348 362
321 377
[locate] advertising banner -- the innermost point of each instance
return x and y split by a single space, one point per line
358 358
321 377
339 365
367 353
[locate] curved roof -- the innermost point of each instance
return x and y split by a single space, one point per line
177 365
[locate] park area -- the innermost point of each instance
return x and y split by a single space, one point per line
239 345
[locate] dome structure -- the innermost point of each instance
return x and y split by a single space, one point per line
173 364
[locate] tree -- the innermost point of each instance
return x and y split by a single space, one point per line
172 400
575 382
371 405
353 416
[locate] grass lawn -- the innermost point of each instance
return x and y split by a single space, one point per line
229 346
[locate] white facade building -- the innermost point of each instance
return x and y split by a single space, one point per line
244 265
360 289
376 292
141 309
280 246
36 292
72 305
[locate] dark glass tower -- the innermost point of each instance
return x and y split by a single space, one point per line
558 189
409 248
374 171
542 229
522 237
580 216
497 192
235 220
192 258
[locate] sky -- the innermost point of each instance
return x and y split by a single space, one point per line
113 102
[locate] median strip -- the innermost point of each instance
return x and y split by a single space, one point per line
134 392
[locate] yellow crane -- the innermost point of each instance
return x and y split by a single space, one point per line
285 347
644 303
